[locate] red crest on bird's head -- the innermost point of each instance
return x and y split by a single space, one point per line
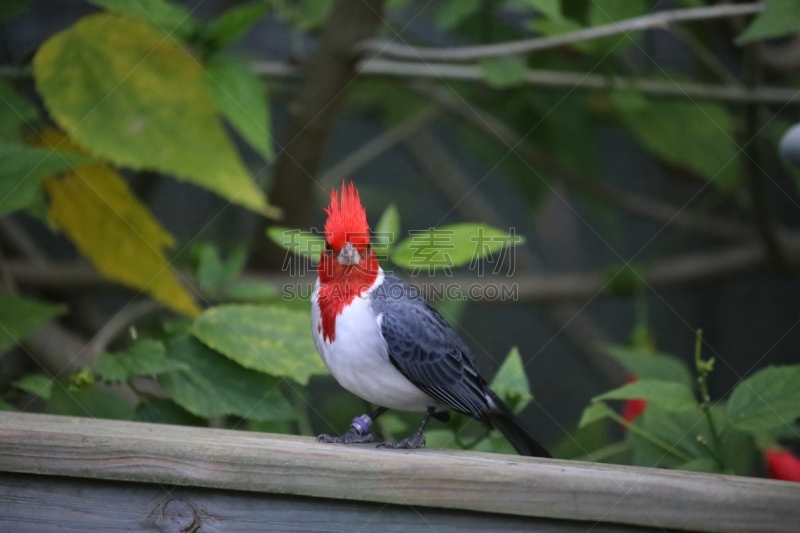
347 219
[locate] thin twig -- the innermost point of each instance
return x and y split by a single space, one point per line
372 149
553 79
122 320
660 19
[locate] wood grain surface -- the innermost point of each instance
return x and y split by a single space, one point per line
277 464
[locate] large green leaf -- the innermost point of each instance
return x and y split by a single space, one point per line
695 135
646 365
303 243
215 386
768 399
676 438
23 169
451 246
273 340
234 22
668 396
594 412
511 382
160 14
19 316
452 12
551 9
14 112
37 384
242 98
387 231
94 403
780 18
128 94
145 358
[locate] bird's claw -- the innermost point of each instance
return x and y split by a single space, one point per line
349 437
417 440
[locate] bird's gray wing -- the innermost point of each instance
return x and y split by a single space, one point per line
426 350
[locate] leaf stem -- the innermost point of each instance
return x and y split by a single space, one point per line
704 368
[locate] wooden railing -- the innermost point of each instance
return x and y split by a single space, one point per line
80 474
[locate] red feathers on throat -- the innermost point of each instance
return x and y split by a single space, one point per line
347 219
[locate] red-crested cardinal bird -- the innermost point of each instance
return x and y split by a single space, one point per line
384 343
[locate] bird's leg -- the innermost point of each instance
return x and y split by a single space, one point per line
358 431
416 440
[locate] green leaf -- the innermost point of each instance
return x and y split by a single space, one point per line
5 406
20 316
307 15
596 411
511 382
452 12
160 411
215 386
768 399
677 431
272 340
302 243
37 384
779 18
668 396
234 22
14 112
701 464
451 246
695 135
646 365
610 11
160 14
127 94
242 99
551 9
23 169
387 231
214 274
252 291
93 402
504 72
146 357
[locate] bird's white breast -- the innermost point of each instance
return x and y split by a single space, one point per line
358 357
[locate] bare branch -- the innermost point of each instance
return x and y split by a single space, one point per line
657 20
374 148
553 79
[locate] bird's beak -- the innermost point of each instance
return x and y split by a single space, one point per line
349 255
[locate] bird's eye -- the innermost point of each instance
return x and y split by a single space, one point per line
328 248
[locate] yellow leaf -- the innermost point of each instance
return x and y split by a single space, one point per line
138 99
103 218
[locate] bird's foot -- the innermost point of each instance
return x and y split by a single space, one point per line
349 437
358 432
417 440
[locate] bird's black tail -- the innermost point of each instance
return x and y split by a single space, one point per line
503 419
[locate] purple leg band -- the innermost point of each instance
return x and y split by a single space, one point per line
362 423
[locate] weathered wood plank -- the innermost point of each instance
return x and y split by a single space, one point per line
44 504
568 490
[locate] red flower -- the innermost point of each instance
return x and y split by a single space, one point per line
631 409
782 465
